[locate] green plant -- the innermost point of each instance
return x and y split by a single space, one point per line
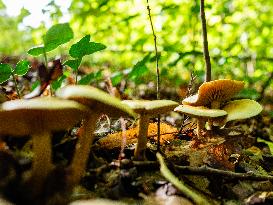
7 71
80 49
57 35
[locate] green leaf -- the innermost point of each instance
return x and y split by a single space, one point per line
116 78
5 72
35 85
58 83
250 93
36 51
74 64
270 144
88 79
139 69
22 67
84 47
57 35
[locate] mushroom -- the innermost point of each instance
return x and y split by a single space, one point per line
201 113
147 109
212 94
99 103
240 109
38 118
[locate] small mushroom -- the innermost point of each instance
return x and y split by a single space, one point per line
241 109
38 118
147 109
99 103
211 94
202 114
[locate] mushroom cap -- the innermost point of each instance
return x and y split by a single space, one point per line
217 90
200 111
151 107
97 100
242 109
25 117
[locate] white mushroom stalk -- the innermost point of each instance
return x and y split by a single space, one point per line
202 114
99 103
147 109
38 118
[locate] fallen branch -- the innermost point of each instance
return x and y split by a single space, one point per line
207 171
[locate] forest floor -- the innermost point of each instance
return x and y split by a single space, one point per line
233 165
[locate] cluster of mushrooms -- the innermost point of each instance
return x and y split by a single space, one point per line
39 117
211 104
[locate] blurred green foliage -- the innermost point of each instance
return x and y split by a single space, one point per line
239 34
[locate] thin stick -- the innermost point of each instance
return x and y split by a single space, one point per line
124 138
157 73
205 41
206 171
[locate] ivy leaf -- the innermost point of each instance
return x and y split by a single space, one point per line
5 72
74 64
36 51
86 80
22 67
57 35
84 47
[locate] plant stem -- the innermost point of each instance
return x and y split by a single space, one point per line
157 73
45 58
76 76
205 41
46 65
198 199
16 85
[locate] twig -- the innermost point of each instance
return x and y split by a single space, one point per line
157 73
205 41
207 171
124 138
197 198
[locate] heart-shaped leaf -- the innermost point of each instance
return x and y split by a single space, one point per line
84 47
22 67
5 72
57 35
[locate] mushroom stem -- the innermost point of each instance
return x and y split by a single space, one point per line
214 105
42 160
83 147
142 138
200 125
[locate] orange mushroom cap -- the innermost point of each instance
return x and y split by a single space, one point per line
217 90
